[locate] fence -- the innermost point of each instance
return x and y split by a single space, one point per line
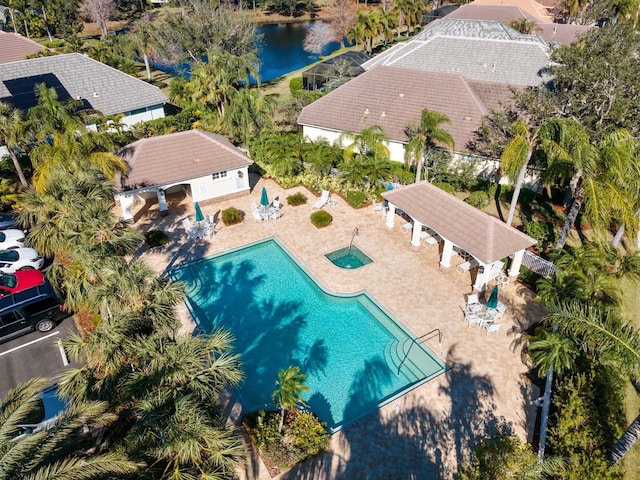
538 264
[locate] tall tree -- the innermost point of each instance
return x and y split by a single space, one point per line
553 139
610 340
12 129
100 12
289 392
60 450
424 138
606 184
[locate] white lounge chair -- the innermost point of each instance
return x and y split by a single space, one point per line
464 267
377 206
472 319
473 303
322 201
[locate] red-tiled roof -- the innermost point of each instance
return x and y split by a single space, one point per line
395 97
15 47
178 157
483 236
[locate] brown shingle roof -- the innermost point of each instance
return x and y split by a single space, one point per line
536 9
394 97
178 157
15 47
483 236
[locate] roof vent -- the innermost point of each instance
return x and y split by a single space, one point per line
196 160
366 111
96 94
383 114
401 95
467 118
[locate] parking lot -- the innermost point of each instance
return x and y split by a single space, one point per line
33 355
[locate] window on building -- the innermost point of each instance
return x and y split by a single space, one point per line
218 175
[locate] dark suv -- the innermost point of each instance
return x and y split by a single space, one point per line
37 308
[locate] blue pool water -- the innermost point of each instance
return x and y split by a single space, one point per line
349 347
349 258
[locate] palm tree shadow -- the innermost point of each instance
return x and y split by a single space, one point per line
413 441
496 198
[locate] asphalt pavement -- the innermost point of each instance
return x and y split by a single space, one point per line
33 355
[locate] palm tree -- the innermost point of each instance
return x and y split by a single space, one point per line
523 25
59 451
604 182
604 335
248 114
285 152
288 393
11 131
553 138
424 137
356 34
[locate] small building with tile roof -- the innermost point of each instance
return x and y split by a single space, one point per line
205 165
461 228
395 97
561 33
76 76
477 49
14 47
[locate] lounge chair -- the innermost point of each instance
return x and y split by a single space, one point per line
377 206
322 201
464 267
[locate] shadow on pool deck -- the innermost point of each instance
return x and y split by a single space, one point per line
426 433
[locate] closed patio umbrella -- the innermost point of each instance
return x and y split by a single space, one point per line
199 215
264 199
493 298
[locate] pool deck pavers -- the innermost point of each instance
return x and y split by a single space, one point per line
429 431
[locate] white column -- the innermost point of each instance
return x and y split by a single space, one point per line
125 205
447 253
162 201
482 278
415 235
391 215
514 270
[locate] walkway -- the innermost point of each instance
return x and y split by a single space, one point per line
429 431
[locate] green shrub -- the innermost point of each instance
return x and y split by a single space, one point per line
355 198
309 434
541 231
321 218
296 199
156 238
231 216
295 85
446 187
478 199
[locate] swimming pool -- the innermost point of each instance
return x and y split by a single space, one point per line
349 347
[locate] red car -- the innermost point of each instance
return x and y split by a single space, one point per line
11 283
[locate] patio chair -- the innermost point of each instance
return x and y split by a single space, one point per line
322 201
493 328
275 214
431 240
472 319
257 216
473 303
377 206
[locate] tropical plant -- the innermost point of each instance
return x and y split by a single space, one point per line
523 25
605 183
609 340
156 238
288 393
321 218
59 451
424 138
296 199
231 216
553 139
11 131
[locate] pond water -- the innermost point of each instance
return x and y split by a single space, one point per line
282 50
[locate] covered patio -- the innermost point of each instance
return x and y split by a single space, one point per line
483 242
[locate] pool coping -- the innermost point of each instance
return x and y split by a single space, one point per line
444 367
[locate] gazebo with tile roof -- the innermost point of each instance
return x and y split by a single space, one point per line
482 236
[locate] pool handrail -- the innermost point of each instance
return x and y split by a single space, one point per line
420 339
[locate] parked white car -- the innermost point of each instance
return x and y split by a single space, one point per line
20 259
12 238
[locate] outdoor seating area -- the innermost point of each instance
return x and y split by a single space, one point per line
200 229
266 211
486 316
325 199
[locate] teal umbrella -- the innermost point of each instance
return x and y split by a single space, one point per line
199 215
264 199
493 298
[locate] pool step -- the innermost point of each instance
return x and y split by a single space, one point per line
394 354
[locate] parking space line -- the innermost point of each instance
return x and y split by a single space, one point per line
63 354
30 343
